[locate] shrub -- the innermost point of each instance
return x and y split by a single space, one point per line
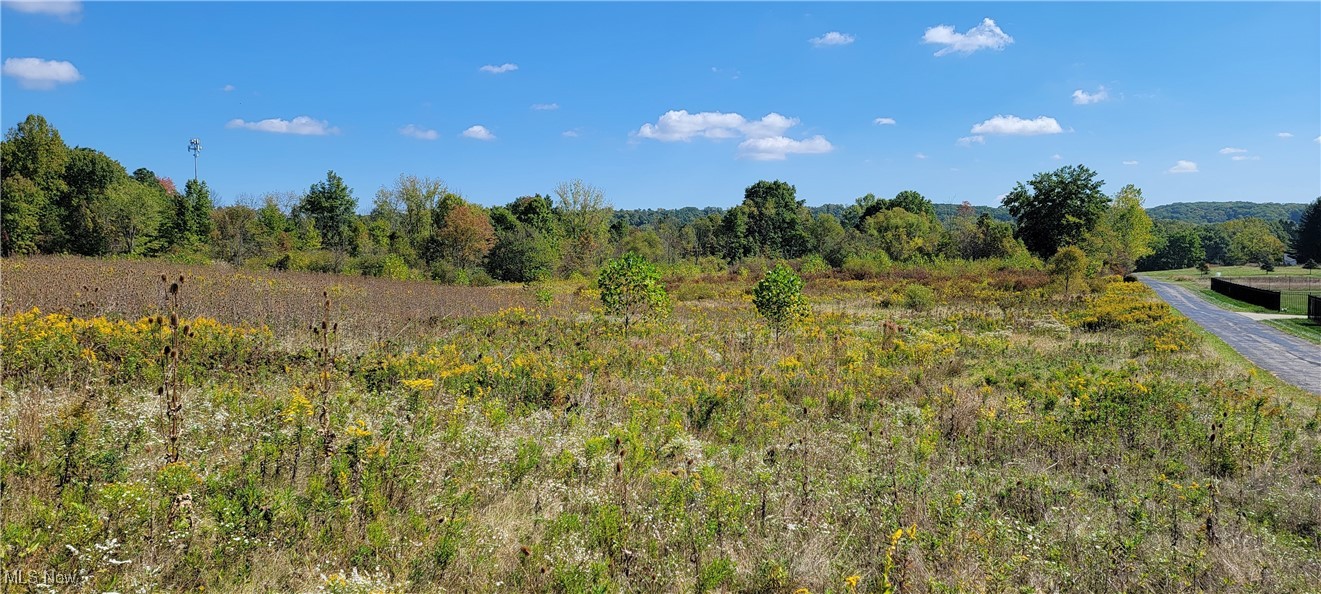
631 287
1067 263
393 266
919 297
324 261
814 264
543 294
695 291
779 298
1268 267
446 273
478 277
864 266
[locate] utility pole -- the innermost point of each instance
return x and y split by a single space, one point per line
195 147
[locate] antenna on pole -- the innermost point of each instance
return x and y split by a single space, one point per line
195 147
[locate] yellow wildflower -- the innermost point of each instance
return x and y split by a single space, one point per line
419 384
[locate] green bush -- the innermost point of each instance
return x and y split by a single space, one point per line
393 266
631 287
919 297
779 298
814 264
867 265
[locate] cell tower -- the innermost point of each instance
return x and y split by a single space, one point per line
195 147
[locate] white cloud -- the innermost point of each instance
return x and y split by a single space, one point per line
984 36
1285 135
479 133
1130 162
1056 157
832 38
1317 140
301 125
764 139
419 133
66 10
501 69
1016 126
570 133
1081 97
227 88
1183 167
971 140
919 156
683 126
776 148
883 121
1238 154
545 106
773 124
41 75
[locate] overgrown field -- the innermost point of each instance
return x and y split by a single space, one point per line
927 430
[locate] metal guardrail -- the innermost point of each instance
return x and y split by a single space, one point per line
1260 297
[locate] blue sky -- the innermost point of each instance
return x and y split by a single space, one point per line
670 105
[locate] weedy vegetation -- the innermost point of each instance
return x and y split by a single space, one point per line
946 428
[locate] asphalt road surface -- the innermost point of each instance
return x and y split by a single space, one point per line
1288 357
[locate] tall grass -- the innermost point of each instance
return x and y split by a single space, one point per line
995 439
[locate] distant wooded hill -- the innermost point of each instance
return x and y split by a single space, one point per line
1191 212
1219 212
643 217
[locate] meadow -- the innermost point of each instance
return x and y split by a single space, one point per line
962 427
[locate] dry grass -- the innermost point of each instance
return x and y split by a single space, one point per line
368 309
998 440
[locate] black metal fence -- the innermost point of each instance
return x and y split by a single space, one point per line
1301 283
1261 297
1314 308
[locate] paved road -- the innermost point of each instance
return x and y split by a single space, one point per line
1289 358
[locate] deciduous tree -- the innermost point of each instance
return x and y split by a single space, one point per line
1067 264
406 208
20 215
330 206
584 216
466 235
1176 245
904 235
1124 233
779 298
88 176
777 220
134 214
34 150
631 286
1056 208
1251 240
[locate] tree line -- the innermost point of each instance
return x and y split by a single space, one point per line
58 199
